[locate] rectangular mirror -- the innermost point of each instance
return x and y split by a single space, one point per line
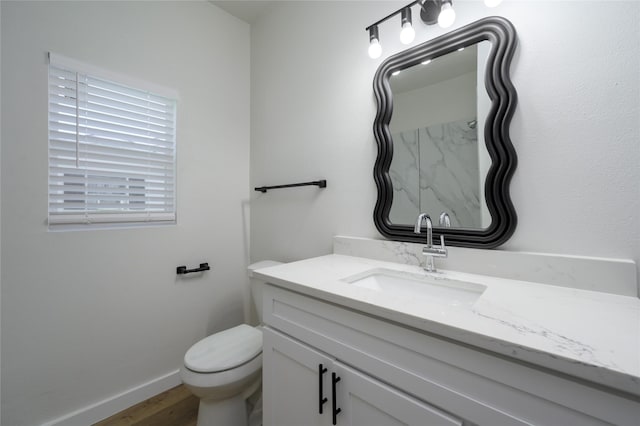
440 160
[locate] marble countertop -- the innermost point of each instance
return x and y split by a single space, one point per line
590 335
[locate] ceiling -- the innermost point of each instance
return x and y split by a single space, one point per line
246 10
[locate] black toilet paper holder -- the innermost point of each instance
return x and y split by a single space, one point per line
181 270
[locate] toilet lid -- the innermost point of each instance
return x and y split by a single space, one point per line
224 350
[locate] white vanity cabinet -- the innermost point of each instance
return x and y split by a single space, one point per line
390 374
304 387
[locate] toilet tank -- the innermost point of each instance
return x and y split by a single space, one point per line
256 289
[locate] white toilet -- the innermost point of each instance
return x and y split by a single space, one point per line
224 369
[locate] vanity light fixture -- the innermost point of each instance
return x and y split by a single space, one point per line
430 11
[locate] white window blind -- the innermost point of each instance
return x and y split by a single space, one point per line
112 150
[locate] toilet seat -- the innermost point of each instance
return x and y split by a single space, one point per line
225 350
224 383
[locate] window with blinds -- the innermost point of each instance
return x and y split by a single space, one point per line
112 149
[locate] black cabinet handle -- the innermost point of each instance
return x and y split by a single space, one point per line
321 399
334 380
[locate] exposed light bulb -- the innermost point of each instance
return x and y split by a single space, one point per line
375 50
447 15
492 3
407 34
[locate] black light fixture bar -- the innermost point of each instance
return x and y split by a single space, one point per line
391 15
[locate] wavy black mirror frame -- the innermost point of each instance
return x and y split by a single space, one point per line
502 36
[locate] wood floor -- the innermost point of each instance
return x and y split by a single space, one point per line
175 407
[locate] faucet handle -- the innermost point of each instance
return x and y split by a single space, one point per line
445 221
422 217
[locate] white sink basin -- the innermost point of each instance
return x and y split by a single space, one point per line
427 287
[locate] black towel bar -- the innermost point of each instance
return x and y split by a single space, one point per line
320 183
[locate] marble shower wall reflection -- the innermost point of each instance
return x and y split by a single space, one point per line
435 169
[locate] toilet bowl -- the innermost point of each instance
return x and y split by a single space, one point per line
224 369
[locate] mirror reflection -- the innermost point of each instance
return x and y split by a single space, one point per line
440 159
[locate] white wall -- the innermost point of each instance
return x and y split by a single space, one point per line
576 127
89 314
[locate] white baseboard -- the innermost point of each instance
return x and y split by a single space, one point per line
110 406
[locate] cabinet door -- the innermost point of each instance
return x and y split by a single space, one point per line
364 401
291 383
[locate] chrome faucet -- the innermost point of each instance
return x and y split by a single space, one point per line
430 250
